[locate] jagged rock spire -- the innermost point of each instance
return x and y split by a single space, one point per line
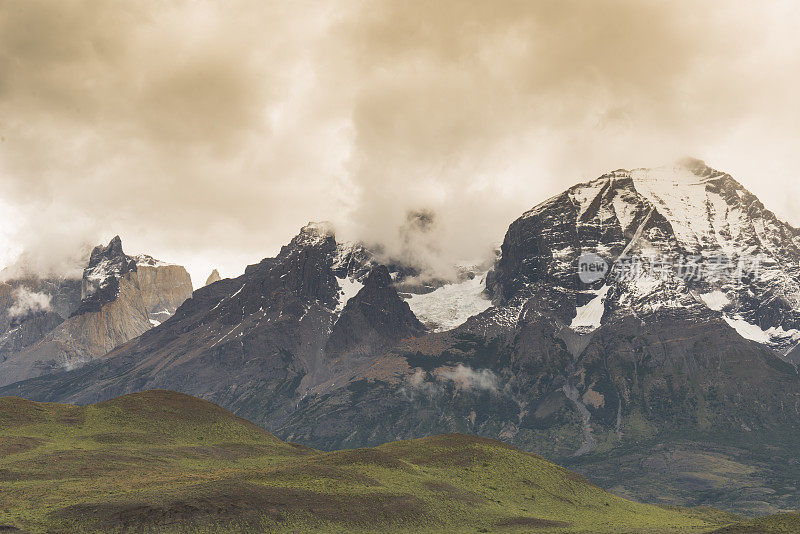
213 277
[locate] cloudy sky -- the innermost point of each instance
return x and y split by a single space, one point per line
207 133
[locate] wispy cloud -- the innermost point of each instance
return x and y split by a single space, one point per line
468 378
27 301
462 376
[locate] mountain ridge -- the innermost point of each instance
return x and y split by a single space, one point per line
568 369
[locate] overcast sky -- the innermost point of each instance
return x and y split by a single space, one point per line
207 133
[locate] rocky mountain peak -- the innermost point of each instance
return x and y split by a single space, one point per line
109 252
163 286
379 278
213 277
376 317
118 298
352 261
314 234
100 285
647 226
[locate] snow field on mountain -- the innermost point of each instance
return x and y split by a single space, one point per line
589 315
348 288
450 305
771 336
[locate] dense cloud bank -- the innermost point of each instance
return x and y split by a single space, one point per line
208 132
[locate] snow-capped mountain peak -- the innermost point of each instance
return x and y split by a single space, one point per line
683 236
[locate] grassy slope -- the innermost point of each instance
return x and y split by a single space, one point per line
774 524
163 461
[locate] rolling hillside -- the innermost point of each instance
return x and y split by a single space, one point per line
160 461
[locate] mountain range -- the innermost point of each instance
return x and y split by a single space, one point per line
679 363
52 324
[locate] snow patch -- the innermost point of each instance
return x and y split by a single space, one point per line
748 330
237 291
98 277
625 211
585 194
149 261
590 314
348 288
565 252
772 336
644 286
716 300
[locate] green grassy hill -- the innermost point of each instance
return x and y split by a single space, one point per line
165 462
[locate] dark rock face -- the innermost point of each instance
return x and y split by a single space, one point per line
543 245
64 297
376 318
101 277
793 356
28 331
305 266
688 372
355 261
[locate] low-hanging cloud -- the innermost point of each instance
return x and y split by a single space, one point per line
468 378
419 383
27 302
50 248
208 133
462 376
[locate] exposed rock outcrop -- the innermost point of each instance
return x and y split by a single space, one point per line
100 283
19 297
164 287
213 277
